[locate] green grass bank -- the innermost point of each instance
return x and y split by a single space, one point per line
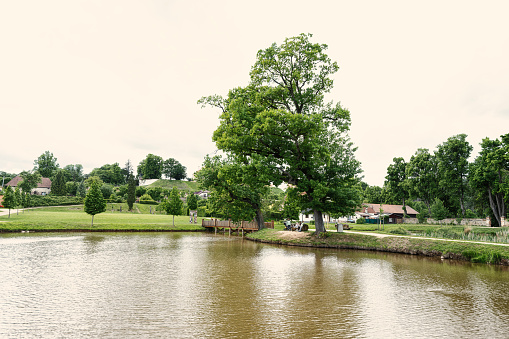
477 253
73 218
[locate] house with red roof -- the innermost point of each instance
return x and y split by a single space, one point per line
43 188
392 213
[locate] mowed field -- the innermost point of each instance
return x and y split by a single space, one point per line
74 218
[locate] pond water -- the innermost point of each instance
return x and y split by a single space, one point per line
196 285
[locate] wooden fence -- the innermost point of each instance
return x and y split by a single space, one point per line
235 226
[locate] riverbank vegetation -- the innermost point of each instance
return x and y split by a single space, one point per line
478 253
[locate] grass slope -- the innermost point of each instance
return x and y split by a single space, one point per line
191 186
484 253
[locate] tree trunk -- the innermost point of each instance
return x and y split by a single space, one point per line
320 228
174 221
462 201
494 207
92 221
259 219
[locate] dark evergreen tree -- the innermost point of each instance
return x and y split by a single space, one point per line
131 191
58 186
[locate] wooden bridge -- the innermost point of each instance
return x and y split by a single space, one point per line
241 226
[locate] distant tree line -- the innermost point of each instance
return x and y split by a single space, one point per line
443 183
116 183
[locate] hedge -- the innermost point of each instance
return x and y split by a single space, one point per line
52 200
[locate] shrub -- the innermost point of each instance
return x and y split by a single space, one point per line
147 199
202 211
360 221
469 214
421 217
399 230
48 200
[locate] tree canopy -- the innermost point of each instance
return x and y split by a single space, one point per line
173 205
46 164
452 158
422 176
9 199
111 174
489 174
30 181
73 172
282 122
192 202
174 169
151 167
396 180
94 200
236 187
58 186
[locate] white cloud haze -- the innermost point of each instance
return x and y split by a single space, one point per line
98 82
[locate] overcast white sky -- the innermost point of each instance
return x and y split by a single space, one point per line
97 82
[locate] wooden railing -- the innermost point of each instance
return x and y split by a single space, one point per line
248 225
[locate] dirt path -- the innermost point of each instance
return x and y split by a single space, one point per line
293 235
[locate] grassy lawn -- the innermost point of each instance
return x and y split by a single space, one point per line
73 218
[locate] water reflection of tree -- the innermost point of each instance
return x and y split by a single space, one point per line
92 242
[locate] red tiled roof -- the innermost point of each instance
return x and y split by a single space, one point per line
388 209
46 182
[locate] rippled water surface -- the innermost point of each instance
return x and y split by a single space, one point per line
194 285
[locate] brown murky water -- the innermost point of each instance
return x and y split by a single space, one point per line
193 285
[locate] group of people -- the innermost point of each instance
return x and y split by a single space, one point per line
298 226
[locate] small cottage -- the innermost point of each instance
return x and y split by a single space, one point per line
43 188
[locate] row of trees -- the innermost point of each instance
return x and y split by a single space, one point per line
279 129
70 179
154 167
446 177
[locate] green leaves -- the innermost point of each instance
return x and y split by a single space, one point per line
489 174
46 164
94 201
280 125
173 205
299 70
58 185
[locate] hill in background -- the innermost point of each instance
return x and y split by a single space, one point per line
191 186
